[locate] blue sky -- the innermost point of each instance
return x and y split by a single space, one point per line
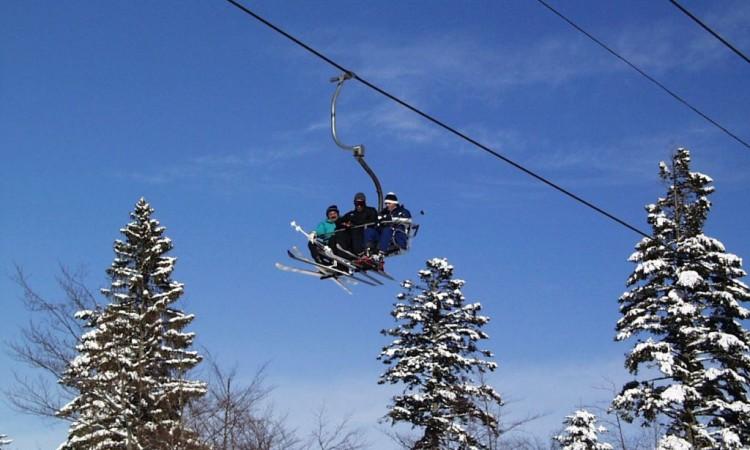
222 125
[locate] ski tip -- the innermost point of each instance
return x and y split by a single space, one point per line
341 285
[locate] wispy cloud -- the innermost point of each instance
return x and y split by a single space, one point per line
472 65
457 59
431 62
214 167
227 166
733 25
403 125
628 163
625 161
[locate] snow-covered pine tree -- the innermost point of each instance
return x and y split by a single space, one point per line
4 440
435 355
581 433
685 305
131 367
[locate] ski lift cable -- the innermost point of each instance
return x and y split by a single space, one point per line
441 124
712 32
644 74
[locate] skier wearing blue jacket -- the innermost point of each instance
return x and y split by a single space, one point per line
393 218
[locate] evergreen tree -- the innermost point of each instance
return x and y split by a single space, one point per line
685 307
4 440
434 355
581 433
131 365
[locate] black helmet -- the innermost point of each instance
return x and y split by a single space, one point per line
332 208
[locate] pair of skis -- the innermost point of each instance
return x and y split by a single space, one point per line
337 274
321 273
342 269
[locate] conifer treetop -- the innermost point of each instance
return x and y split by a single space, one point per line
581 433
435 355
685 307
132 364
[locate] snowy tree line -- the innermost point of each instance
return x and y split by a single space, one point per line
127 375
124 365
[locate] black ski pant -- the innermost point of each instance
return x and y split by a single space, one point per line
318 255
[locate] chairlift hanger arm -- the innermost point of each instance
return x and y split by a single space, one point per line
355 149
358 151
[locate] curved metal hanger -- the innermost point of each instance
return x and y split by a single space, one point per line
358 151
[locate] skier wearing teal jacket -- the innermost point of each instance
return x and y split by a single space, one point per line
324 233
325 229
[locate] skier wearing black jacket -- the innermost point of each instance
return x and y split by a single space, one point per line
359 227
